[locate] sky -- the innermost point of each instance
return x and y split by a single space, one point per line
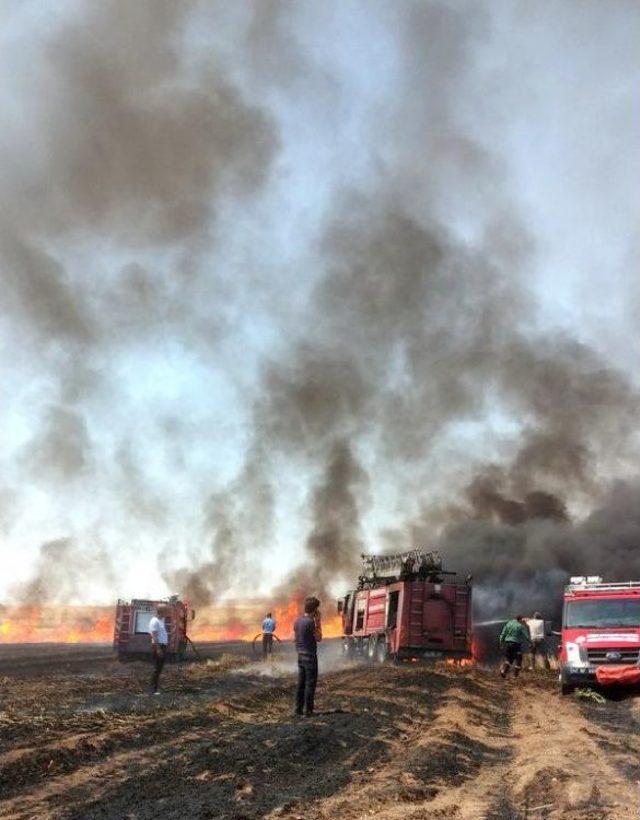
275 264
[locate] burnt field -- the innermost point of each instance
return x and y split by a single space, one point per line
80 737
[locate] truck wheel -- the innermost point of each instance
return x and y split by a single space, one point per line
347 649
371 649
566 687
382 651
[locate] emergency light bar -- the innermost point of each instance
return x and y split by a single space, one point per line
586 585
585 579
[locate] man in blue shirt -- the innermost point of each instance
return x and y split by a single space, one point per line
268 628
308 633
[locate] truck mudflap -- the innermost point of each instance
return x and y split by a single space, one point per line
618 675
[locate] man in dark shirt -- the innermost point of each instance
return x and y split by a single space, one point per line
308 633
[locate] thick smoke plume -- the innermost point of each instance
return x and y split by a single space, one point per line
379 323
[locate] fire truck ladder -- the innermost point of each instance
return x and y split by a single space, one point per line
123 626
461 611
381 565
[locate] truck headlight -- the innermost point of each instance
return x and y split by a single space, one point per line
577 655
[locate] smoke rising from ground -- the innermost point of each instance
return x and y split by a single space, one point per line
282 284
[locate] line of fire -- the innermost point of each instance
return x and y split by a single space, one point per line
405 607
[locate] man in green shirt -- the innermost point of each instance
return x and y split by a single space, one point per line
514 634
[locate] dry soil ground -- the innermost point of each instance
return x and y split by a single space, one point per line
86 740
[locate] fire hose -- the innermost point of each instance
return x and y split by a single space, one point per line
259 635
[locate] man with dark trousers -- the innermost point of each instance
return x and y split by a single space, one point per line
268 629
514 634
308 633
159 641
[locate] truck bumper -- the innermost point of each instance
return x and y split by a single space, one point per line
424 653
578 675
611 675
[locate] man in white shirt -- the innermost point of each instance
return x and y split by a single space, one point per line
268 628
536 631
159 641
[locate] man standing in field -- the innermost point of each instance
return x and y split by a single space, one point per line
514 634
268 628
308 633
159 641
536 638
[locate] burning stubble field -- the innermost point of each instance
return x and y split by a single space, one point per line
84 739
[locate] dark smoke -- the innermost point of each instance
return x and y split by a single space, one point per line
237 527
412 330
334 543
410 317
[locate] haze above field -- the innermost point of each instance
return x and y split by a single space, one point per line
283 282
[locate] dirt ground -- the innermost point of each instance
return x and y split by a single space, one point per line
88 741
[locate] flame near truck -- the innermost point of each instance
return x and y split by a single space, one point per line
600 633
131 632
403 609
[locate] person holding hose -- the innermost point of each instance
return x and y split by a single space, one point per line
308 633
268 628
514 634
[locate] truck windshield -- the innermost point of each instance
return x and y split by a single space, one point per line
602 614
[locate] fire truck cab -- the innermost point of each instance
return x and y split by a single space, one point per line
600 633
131 633
403 609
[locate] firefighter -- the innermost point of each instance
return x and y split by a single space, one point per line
536 638
514 634
268 628
159 641
308 633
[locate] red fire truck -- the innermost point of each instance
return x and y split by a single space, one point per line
131 633
600 633
404 609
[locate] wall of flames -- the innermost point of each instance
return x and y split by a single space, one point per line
236 620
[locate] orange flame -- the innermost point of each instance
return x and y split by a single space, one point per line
460 661
242 620
233 621
56 624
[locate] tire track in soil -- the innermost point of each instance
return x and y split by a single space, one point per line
443 744
220 757
457 743
557 770
615 728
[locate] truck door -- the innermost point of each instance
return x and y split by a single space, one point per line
438 620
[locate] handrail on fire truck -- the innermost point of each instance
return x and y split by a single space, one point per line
381 562
599 586
411 565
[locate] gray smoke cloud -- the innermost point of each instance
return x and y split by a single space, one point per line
64 572
394 314
411 330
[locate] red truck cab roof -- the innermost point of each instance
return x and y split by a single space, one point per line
598 589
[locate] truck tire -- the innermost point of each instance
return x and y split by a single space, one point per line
382 651
371 649
347 649
566 687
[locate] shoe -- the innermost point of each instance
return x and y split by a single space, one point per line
503 671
